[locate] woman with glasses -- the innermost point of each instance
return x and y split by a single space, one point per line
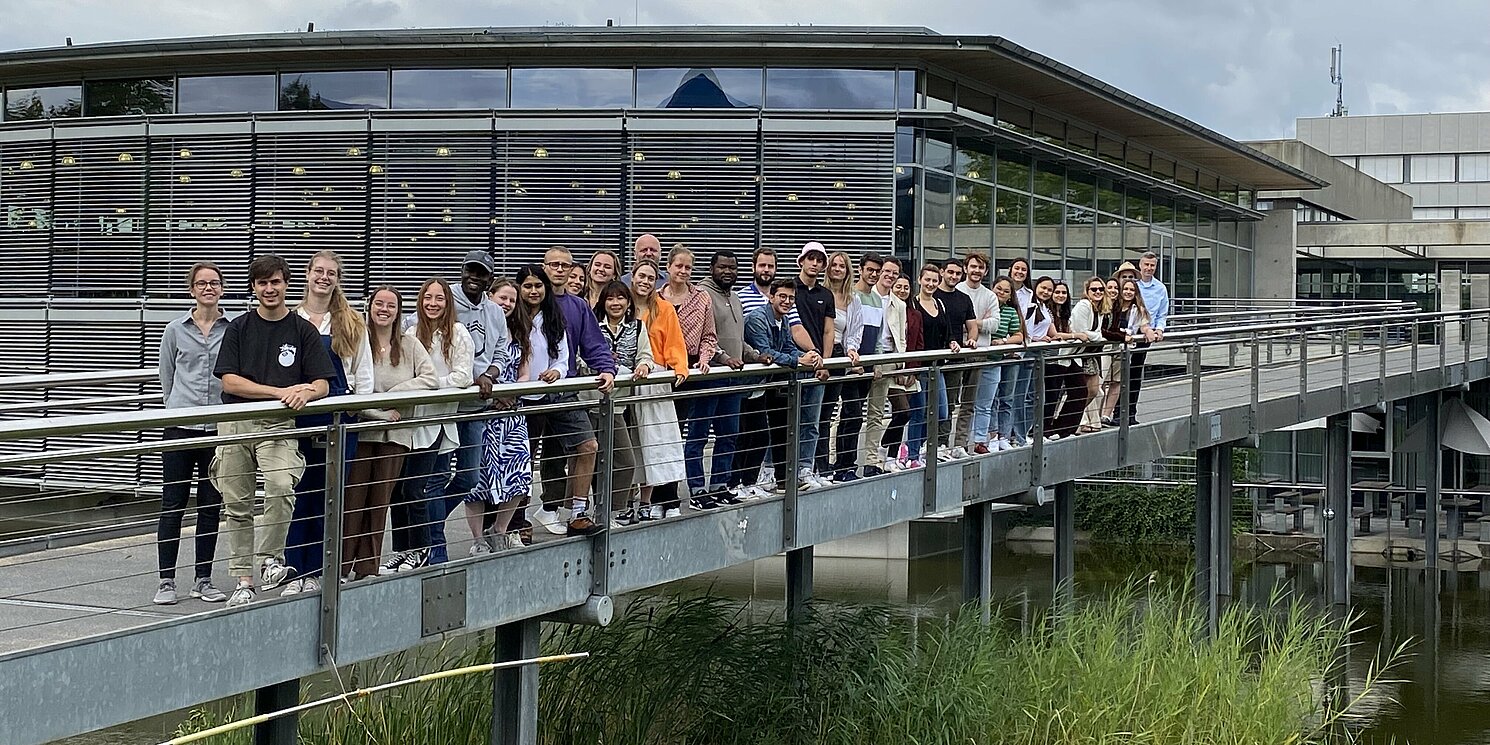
188 352
1065 390
1129 320
1088 319
1003 328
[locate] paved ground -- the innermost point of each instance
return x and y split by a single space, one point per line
61 594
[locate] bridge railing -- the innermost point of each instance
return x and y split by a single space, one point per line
70 570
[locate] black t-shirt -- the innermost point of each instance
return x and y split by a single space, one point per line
959 311
937 332
275 353
815 307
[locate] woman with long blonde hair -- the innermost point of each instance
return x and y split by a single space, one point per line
344 334
843 402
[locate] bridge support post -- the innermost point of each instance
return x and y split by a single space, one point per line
514 719
977 557
1213 567
1065 541
1433 481
798 582
1336 517
284 730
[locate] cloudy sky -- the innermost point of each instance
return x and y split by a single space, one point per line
1244 67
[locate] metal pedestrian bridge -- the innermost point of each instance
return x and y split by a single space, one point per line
82 649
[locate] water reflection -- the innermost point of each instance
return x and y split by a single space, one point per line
1438 693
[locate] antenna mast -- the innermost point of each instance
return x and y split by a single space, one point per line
1337 76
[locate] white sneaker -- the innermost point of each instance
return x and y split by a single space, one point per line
656 512
892 465
756 491
166 594
554 521
959 452
499 542
293 587
945 455
671 512
243 594
273 572
479 547
1052 438
311 584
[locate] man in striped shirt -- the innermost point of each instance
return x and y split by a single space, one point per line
754 439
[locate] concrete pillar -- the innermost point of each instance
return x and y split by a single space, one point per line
1274 255
977 557
798 581
278 697
1433 482
514 718
1064 563
1336 512
1213 565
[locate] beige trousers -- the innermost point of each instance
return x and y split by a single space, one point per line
232 472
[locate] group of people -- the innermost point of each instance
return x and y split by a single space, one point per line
653 327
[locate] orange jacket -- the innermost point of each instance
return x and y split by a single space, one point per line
666 335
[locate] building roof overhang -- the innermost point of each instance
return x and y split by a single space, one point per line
996 61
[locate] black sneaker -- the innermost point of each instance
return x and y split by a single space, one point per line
625 517
872 471
703 501
1108 421
723 496
843 477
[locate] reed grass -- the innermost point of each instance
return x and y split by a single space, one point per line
1134 667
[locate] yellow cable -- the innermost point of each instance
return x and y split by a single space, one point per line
364 692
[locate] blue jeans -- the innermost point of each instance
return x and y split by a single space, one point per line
1007 404
812 408
988 388
722 414
304 551
444 496
1024 396
915 436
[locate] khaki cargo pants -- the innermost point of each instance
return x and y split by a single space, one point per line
232 472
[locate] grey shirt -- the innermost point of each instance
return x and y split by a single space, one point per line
186 362
490 340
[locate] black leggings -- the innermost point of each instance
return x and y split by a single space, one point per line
900 415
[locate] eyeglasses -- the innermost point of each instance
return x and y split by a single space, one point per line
203 284
560 264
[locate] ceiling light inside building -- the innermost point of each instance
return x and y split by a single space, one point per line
183 153
354 151
443 152
791 197
674 175
375 169
68 160
126 158
540 153
638 156
183 178
974 173
839 185
298 171
732 159
26 165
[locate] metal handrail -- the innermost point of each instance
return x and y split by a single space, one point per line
157 418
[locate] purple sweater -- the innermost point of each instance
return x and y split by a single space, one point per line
585 341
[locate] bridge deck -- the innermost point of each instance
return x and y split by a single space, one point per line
50 599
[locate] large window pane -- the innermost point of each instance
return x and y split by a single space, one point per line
936 217
905 89
974 216
333 91
1384 168
226 93
123 97
1474 167
1013 171
1432 169
449 89
1049 242
806 88
570 88
1012 216
698 88
936 153
42 103
1050 181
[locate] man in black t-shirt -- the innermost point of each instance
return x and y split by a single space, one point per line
960 315
268 354
816 309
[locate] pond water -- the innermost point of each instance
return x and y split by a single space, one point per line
1438 694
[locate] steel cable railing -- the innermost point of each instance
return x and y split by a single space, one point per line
1220 366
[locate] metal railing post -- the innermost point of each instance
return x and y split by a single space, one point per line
604 497
1125 381
1303 370
1192 364
1037 434
1381 363
933 436
1415 340
793 446
1344 370
336 469
1443 345
1255 384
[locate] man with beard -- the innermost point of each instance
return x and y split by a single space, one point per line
754 440
719 412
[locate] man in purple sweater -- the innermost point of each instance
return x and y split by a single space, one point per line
568 432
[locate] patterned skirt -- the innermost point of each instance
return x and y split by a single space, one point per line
506 463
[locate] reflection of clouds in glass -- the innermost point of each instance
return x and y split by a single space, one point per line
570 88
334 90
830 89
698 88
226 93
449 89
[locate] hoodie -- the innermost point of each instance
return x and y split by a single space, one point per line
729 323
487 325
